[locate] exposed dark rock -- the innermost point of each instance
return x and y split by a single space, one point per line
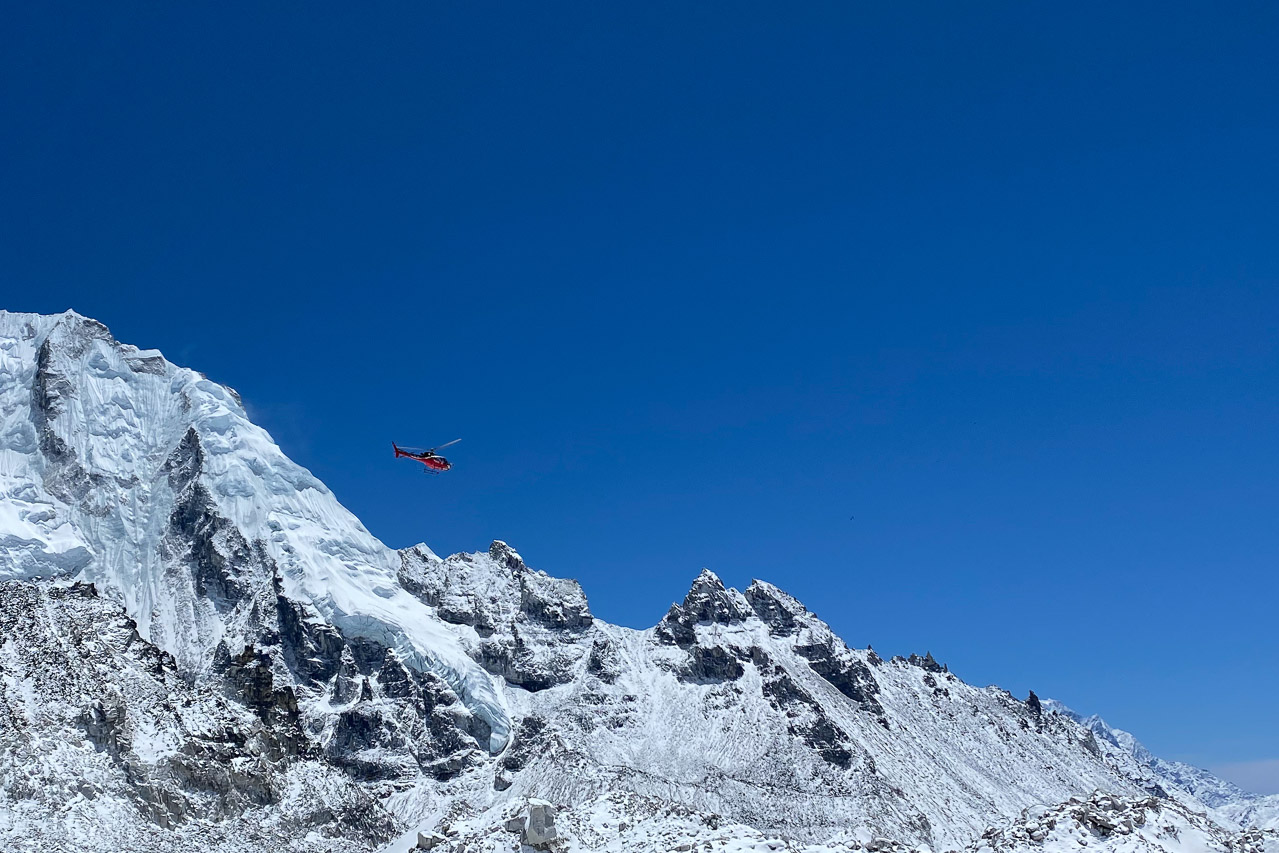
376 740
544 602
348 683
226 570
312 647
773 607
711 663
807 719
65 477
927 663
456 733
1090 743
604 662
531 738
396 680
103 722
251 678
707 602
49 387
531 625
675 628
506 556
152 364
362 735
846 674
508 656
72 644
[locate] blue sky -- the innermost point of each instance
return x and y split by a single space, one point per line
697 282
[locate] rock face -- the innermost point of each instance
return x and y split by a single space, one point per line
200 649
98 729
522 626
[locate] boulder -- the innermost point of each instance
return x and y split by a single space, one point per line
540 830
429 840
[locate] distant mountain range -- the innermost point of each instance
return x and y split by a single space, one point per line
1229 804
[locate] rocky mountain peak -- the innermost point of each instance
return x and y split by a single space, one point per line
927 663
505 555
779 611
520 624
708 602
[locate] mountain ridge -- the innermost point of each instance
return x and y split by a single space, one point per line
274 672
1228 802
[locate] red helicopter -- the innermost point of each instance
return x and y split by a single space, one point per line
434 462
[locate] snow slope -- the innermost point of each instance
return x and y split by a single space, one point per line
94 439
1229 803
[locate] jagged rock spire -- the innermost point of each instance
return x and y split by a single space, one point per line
505 555
708 601
777 609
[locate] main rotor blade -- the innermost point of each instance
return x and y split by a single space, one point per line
442 446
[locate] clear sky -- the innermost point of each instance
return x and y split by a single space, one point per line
697 282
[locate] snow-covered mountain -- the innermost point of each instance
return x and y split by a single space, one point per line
1229 803
744 704
202 649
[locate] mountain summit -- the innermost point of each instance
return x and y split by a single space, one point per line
203 650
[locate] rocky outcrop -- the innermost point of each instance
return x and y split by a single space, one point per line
604 662
707 602
539 829
100 714
927 663
533 738
833 662
64 477
532 630
808 720
779 611
712 664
